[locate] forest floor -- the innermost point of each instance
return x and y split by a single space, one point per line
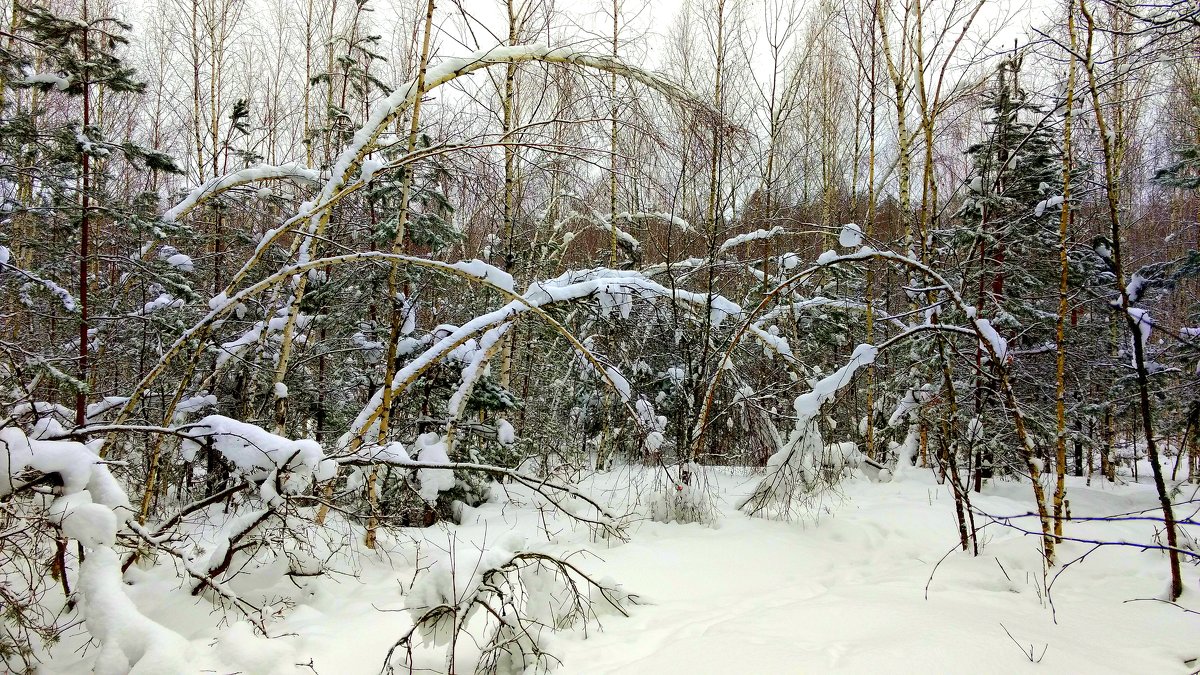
855 586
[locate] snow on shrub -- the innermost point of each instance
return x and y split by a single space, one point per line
91 508
508 599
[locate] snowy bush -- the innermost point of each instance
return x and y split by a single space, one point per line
508 602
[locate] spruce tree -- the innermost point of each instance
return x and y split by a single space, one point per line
1009 226
64 163
1012 206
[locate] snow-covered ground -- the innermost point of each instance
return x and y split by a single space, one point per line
856 586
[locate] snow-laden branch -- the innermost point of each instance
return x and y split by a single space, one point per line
628 241
757 235
669 218
215 186
64 296
993 346
795 464
350 162
569 287
436 75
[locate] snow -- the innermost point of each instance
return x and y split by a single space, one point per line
274 328
1136 287
505 433
847 579
74 462
974 430
181 262
64 296
109 403
91 524
56 81
163 301
809 404
431 449
990 341
483 271
472 355
409 308
629 240
235 348
772 343
568 287
252 449
239 648
90 509
392 453
618 297
614 376
370 167
674 220
838 591
218 301
792 469
908 405
851 236
652 423
241 177
1144 325
129 642
1048 203
653 441
845 595
196 403
748 237
89 146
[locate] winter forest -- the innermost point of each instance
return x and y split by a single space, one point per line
609 336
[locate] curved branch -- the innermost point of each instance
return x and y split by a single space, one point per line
234 179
